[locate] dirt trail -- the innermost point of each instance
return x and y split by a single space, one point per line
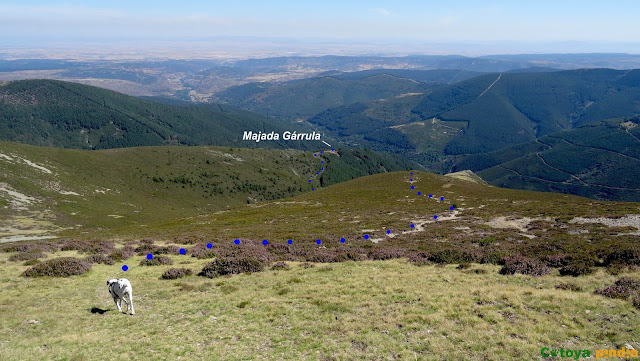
492 84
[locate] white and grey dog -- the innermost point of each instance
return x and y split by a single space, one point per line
119 290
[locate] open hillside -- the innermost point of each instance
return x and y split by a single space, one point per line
598 160
385 292
69 115
485 113
302 99
48 189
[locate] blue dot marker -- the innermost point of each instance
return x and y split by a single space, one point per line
290 241
451 208
322 169
313 189
309 180
412 187
332 149
125 268
237 241
317 173
419 193
265 242
411 180
341 240
322 162
183 251
388 231
320 152
318 241
435 217
413 226
430 195
209 245
149 256
411 173
442 198
315 155
366 236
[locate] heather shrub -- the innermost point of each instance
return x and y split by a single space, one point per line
307 265
280 266
31 262
226 266
568 287
42 247
91 247
122 254
493 257
100 258
157 261
626 256
419 258
555 260
201 251
451 256
147 241
175 273
59 267
462 266
171 249
185 240
524 265
576 269
380 254
485 242
623 288
615 269
27 256
146 248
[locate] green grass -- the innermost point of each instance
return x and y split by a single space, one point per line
352 311
135 186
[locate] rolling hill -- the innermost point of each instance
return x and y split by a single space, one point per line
598 160
301 99
69 115
485 113
44 189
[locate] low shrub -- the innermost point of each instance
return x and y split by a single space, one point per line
280 266
307 265
451 256
462 266
381 254
145 248
157 261
201 251
568 287
31 262
171 249
100 258
226 266
485 242
576 269
419 258
555 260
91 247
43 247
122 254
27 256
624 288
524 265
147 241
175 273
59 267
615 269
185 240
493 257
625 256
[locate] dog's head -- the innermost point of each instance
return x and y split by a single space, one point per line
111 281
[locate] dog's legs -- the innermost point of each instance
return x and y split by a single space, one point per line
131 303
115 299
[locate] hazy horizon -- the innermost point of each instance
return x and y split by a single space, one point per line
257 29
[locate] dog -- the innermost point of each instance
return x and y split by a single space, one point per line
120 289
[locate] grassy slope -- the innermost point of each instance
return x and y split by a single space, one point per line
352 311
134 186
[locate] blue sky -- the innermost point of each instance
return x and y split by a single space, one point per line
422 21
